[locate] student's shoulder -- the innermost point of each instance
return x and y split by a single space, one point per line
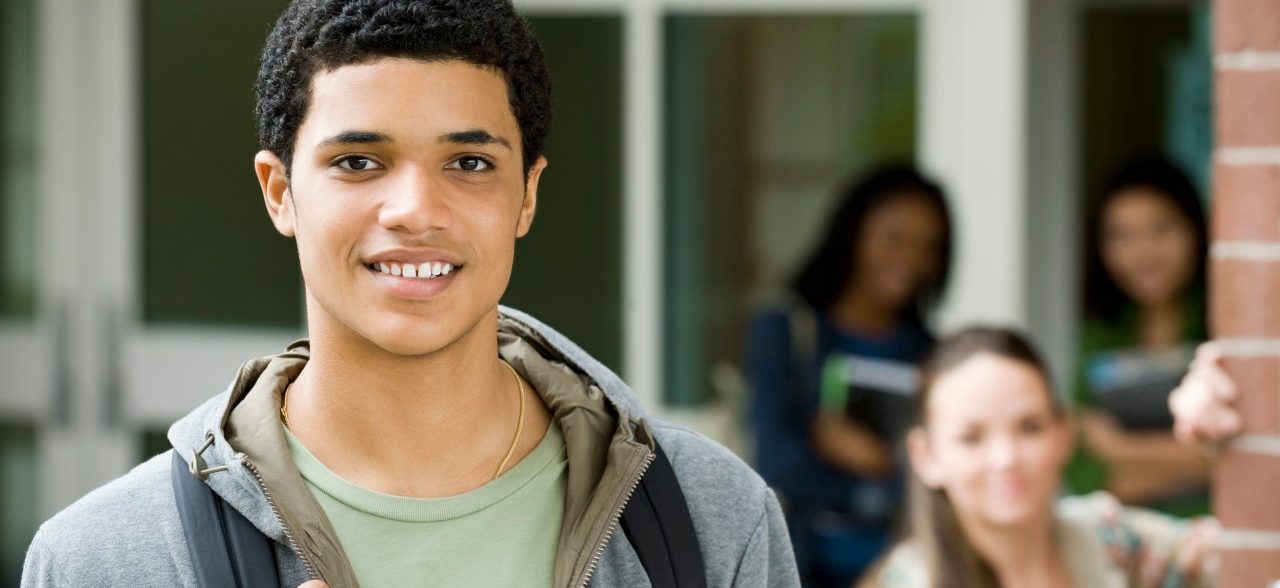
903 566
724 494
122 529
737 517
1137 540
1105 516
709 470
136 495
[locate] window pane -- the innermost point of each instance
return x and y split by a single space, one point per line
568 269
18 198
210 253
765 117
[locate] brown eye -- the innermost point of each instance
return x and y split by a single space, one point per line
471 163
1031 426
357 163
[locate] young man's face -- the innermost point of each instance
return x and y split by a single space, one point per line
412 168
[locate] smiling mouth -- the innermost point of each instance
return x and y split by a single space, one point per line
418 271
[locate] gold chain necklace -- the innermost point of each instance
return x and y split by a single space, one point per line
515 441
519 423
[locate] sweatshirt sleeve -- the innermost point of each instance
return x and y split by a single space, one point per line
39 570
768 560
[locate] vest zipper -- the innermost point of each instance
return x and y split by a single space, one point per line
598 551
288 535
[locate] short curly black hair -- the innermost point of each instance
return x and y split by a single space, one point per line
320 35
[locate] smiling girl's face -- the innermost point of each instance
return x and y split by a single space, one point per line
993 441
1148 245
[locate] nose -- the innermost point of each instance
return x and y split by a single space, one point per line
1003 454
416 204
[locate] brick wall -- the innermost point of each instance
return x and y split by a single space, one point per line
1245 275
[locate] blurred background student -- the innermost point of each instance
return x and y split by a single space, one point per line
1145 299
832 369
988 453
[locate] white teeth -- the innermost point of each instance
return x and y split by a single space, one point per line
420 271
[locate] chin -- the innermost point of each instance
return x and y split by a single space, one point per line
1011 517
1148 293
411 332
413 337
1015 512
404 348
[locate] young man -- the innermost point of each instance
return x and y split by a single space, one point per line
423 436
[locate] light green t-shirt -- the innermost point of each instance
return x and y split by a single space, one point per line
501 534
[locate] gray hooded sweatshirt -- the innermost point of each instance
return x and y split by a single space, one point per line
128 533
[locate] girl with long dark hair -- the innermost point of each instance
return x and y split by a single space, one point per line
1145 303
824 366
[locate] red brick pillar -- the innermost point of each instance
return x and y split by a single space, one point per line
1245 276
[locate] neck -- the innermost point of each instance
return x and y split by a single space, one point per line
856 311
1025 555
1160 325
424 426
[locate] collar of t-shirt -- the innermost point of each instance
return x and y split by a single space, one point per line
409 509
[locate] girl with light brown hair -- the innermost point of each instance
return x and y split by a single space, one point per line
988 451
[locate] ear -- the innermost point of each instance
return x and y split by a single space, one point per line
922 458
529 206
275 191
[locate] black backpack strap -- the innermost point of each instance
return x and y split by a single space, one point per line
658 524
226 549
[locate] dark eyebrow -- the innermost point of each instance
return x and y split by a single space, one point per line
355 138
474 137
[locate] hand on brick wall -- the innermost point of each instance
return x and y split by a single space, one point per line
1204 405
